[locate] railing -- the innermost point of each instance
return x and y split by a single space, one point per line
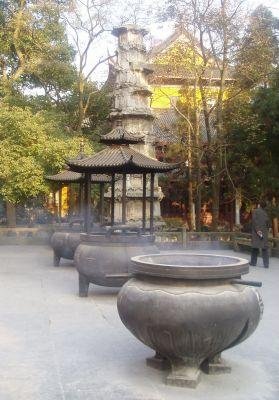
181 238
25 235
178 238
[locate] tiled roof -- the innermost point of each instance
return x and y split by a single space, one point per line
119 135
71 177
65 176
169 72
121 159
165 126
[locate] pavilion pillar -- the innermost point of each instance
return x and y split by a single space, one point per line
55 210
152 203
102 198
80 198
60 204
70 199
112 199
144 202
124 199
87 202
238 201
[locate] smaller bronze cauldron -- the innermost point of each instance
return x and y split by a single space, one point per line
64 245
105 259
189 308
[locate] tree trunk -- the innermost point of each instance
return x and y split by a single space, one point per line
275 227
215 202
237 206
190 193
11 214
198 172
198 204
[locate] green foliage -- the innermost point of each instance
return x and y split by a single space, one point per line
266 104
252 139
34 49
259 49
96 112
39 98
31 146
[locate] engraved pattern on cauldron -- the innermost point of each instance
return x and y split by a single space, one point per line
166 341
188 339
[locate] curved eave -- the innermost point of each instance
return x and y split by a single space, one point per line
120 160
65 177
124 140
119 135
130 114
129 168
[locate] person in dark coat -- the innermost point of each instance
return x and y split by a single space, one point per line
260 226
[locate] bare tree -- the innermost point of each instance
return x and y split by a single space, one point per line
87 23
215 26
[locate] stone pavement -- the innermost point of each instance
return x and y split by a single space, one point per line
57 346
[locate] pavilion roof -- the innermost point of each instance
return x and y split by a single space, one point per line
71 177
120 159
119 135
65 176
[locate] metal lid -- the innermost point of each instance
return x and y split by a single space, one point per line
189 265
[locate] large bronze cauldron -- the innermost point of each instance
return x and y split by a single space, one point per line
105 259
64 245
189 308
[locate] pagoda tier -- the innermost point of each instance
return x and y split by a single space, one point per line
120 135
131 94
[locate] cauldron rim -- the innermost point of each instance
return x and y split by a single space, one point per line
142 265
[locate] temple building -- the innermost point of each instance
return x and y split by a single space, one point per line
175 64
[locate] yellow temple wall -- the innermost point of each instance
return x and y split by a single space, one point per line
162 95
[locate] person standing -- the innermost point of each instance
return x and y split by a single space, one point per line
260 226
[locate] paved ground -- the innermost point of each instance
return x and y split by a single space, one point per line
57 346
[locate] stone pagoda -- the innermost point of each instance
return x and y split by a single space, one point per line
131 117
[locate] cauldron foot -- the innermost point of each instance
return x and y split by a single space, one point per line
185 373
216 365
158 362
56 259
83 285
